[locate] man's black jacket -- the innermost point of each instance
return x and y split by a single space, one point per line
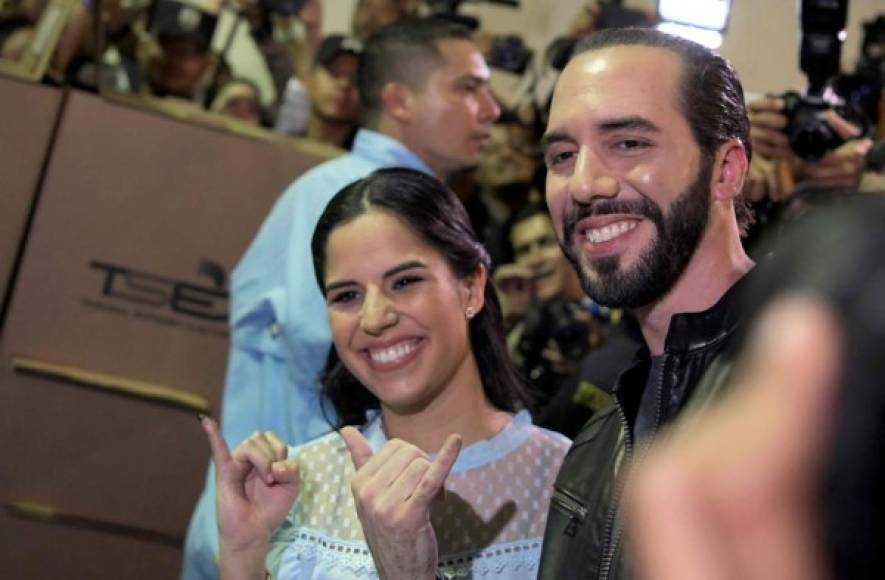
583 535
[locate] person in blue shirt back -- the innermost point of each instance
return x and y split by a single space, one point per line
426 105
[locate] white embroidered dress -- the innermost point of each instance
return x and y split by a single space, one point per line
490 524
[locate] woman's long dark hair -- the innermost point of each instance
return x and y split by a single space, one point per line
435 214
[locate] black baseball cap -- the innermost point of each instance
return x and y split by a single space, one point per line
336 44
169 19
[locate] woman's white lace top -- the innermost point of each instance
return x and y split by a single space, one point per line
490 524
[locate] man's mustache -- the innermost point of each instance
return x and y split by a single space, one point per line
578 212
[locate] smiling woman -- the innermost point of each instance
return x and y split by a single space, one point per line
423 370
399 246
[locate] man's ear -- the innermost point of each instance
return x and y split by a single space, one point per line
397 99
729 170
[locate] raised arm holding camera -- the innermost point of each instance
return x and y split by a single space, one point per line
837 168
815 141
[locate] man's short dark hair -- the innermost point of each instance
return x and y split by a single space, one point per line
527 212
712 98
405 52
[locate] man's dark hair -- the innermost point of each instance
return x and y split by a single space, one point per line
435 214
712 98
405 52
527 211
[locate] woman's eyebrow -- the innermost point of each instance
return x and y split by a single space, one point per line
404 266
411 264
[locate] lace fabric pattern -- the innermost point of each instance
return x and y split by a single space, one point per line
490 524
341 559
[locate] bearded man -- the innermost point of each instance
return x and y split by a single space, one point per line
647 148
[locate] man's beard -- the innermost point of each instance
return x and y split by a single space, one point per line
661 264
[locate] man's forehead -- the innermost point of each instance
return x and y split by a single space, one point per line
536 225
462 56
619 81
624 58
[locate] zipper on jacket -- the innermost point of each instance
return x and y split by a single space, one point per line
608 545
612 532
573 506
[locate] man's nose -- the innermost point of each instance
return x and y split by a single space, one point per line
591 178
344 82
378 312
489 109
534 257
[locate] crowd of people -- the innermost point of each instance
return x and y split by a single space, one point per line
422 324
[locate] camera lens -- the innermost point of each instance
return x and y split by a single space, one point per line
809 134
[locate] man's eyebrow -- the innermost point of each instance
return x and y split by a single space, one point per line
472 78
412 264
554 137
632 122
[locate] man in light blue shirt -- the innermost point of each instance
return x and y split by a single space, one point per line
426 104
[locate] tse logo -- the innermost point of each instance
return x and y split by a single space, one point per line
181 296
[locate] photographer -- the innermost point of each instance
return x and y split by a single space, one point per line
811 146
325 106
287 33
241 99
568 348
776 171
182 65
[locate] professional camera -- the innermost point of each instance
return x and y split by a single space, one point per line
508 53
822 29
564 322
822 26
810 136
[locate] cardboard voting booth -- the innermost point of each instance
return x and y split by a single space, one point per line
28 113
141 220
116 333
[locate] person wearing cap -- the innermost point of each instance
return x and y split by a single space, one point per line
180 67
426 105
324 108
239 98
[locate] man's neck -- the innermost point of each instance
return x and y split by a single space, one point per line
718 263
392 129
331 132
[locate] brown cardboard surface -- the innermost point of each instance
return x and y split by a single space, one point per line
27 116
140 222
108 457
38 551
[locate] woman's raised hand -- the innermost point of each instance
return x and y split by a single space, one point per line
256 486
393 490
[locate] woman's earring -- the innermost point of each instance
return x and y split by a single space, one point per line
469 312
